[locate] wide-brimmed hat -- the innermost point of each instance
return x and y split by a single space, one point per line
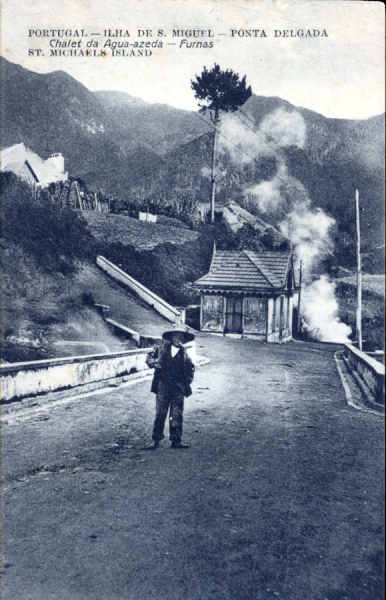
188 335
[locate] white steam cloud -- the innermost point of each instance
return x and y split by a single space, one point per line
309 229
268 194
320 310
277 130
284 128
241 142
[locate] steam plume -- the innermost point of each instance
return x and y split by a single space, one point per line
240 141
309 229
320 309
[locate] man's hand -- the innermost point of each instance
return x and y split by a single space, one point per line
152 359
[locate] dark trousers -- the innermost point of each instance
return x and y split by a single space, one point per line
172 400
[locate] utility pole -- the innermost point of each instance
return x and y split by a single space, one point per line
78 195
359 274
299 297
215 120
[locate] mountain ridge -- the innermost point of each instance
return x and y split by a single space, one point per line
132 149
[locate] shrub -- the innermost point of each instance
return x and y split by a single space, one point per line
56 237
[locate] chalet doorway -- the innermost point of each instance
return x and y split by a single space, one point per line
233 314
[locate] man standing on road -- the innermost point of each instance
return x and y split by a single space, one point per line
173 374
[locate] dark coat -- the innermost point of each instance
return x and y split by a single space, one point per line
160 358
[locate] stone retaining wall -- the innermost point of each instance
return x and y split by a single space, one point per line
25 379
369 373
156 302
19 380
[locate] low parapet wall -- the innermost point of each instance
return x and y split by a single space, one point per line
369 373
19 380
171 313
25 379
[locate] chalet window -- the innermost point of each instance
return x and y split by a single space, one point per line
212 317
255 315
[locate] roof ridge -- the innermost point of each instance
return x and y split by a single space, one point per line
257 264
283 252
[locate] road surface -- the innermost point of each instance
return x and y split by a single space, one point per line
279 496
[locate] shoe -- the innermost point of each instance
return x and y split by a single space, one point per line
179 445
153 446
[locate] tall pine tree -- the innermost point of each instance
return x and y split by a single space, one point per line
219 91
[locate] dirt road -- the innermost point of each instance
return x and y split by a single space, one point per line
279 496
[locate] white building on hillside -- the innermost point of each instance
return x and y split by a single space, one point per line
29 166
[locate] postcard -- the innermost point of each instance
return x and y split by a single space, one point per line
192 376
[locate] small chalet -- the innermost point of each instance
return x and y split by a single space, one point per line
249 293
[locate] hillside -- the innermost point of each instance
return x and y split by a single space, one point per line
55 113
374 284
41 249
50 281
150 153
124 307
373 307
336 158
159 127
119 229
108 139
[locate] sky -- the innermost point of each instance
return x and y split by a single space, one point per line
339 75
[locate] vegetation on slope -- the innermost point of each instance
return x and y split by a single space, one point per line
55 237
157 156
44 247
112 229
373 311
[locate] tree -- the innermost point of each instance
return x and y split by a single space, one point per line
219 91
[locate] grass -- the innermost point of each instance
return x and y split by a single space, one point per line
370 283
373 297
43 305
120 229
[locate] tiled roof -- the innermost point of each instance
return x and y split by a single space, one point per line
247 270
